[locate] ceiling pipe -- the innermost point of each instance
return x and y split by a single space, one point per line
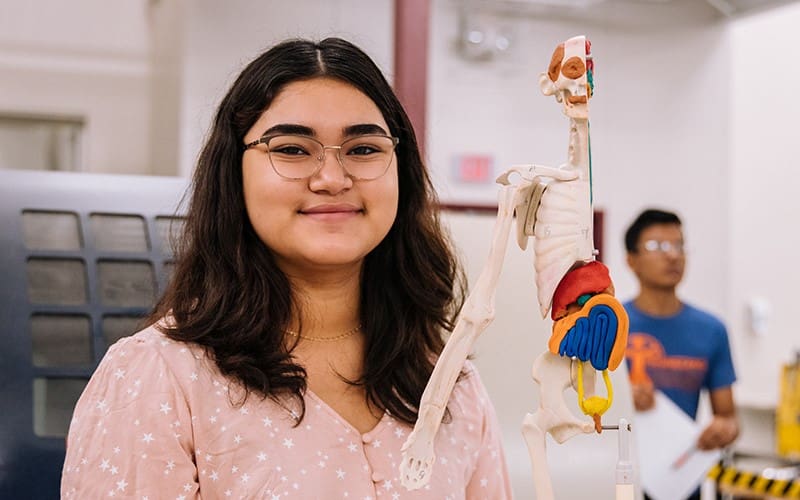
723 6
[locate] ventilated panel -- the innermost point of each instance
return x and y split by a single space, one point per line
117 327
126 283
84 258
51 230
53 402
118 233
168 270
60 340
56 281
169 230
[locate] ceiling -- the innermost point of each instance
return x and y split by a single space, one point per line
629 9
738 7
486 27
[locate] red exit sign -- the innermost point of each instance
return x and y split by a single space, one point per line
473 168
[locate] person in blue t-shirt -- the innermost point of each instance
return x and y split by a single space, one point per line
674 347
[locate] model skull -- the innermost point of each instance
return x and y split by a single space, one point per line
569 76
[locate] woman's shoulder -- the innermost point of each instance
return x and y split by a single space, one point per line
151 353
469 391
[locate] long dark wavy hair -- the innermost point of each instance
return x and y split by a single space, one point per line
228 295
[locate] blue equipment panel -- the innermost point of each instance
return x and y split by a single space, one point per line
83 257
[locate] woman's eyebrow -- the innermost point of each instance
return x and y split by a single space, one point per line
364 129
289 128
348 131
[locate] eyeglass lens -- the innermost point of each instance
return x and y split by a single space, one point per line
299 157
664 246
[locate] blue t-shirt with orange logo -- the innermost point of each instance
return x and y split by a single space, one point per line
680 354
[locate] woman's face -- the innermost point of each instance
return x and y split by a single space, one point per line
329 219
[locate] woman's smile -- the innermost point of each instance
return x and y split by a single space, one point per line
332 212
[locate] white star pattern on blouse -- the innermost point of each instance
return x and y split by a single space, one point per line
221 449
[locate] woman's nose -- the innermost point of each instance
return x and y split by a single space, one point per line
331 176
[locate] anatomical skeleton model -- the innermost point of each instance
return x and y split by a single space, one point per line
554 206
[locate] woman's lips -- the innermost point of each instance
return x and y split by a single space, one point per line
331 212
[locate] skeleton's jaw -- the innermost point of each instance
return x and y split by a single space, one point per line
575 106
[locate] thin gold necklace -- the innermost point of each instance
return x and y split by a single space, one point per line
348 333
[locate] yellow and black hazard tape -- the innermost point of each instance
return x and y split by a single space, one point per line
753 482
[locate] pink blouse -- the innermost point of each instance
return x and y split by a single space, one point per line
156 421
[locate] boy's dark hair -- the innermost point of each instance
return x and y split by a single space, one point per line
649 217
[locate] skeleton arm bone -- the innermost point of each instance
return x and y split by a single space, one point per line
477 314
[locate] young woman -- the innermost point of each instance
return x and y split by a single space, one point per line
307 308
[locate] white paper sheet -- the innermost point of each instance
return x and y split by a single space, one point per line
662 435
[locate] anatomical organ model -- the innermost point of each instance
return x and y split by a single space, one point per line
554 207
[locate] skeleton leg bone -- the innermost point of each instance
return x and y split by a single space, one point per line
553 416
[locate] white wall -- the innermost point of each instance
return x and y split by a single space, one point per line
659 124
763 203
85 59
222 37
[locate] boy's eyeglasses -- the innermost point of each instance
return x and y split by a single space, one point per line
663 246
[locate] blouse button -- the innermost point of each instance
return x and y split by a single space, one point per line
366 439
377 477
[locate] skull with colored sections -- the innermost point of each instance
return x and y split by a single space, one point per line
569 76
